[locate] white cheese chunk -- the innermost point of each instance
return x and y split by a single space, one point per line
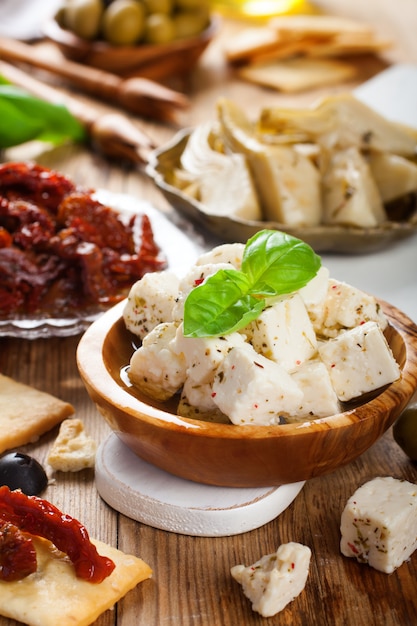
251 389
276 579
346 307
379 523
319 399
155 367
193 278
203 355
359 360
224 253
284 333
196 402
150 302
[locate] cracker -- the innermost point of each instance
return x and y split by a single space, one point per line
27 413
298 74
72 450
317 25
55 596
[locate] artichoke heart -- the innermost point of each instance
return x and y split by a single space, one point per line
225 185
394 175
350 194
338 122
286 179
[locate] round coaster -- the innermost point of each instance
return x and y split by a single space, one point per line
150 495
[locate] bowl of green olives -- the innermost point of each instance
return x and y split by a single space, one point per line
153 38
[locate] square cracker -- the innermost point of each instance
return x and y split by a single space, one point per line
27 413
298 74
53 595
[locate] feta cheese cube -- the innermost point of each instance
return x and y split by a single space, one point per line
346 307
284 333
150 302
224 253
379 523
276 579
359 360
196 402
203 355
314 295
155 368
319 399
251 389
196 276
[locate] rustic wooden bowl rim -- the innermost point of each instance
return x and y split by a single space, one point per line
94 371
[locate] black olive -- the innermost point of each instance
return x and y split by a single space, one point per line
20 471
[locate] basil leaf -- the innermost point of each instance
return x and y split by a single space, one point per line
25 118
274 263
220 305
278 263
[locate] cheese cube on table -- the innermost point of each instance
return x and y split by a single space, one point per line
276 579
203 355
251 389
283 332
346 307
150 302
379 523
359 360
155 367
319 399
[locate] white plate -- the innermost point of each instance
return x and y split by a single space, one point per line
179 244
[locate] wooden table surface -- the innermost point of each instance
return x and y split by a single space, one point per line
191 584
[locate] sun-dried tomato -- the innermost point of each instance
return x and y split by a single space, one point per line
39 517
35 183
17 553
61 251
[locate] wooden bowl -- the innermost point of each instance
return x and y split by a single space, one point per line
229 455
154 61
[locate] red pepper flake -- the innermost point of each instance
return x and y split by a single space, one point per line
198 281
213 394
353 548
292 565
256 406
39 517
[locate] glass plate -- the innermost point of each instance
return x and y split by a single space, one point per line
179 244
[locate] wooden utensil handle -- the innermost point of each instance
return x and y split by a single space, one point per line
141 96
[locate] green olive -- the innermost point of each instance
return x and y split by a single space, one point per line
159 28
405 431
159 6
124 22
83 17
190 23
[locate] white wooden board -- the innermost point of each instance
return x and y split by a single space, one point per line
149 495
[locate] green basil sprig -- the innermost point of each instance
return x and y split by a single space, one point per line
26 118
274 263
